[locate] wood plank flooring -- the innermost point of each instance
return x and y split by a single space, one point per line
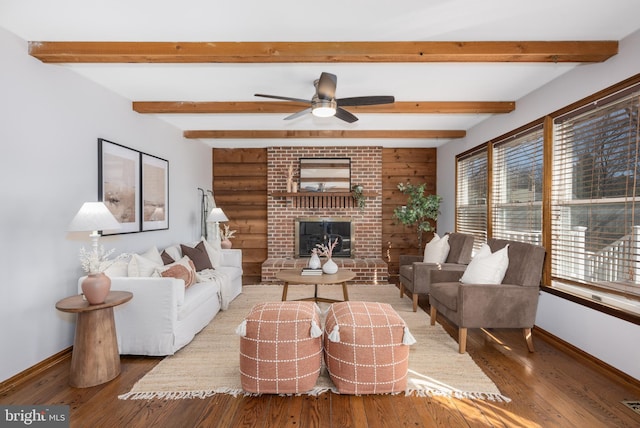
549 388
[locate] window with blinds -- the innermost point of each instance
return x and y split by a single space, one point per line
516 196
596 224
471 195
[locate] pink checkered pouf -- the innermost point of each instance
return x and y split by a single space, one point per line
366 348
280 348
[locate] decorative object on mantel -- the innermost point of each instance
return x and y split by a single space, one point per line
358 196
329 267
95 217
419 210
225 236
290 182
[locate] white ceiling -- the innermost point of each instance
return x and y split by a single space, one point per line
330 20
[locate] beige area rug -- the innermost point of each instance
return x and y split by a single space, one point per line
210 363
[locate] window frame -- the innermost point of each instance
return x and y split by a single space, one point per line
584 297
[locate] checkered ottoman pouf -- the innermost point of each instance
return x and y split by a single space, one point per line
366 348
280 348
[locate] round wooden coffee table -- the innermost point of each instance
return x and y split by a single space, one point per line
95 358
293 276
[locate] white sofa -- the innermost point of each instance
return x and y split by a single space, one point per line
163 316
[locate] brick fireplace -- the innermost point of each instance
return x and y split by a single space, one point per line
283 209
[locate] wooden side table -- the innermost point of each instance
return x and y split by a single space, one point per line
95 358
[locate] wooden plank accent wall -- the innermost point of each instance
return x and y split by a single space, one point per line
240 189
401 166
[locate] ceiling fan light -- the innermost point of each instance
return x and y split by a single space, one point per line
324 108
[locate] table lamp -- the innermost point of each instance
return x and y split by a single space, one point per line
217 215
94 217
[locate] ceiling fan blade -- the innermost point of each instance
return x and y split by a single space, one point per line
298 114
345 115
365 101
327 85
277 97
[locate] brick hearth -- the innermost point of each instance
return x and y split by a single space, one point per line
366 169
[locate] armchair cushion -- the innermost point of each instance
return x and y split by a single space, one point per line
487 267
436 250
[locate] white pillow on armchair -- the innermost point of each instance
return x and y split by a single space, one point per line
487 267
437 250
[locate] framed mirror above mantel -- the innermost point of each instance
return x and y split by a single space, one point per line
325 175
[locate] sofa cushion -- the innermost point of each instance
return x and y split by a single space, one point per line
196 295
182 269
437 250
487 267
198 256
446 293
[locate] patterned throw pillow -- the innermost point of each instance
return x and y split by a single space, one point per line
183 269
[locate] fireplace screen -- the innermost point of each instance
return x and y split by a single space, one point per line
316 230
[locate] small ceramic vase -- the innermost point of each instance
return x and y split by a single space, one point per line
330 267
314 262
95 288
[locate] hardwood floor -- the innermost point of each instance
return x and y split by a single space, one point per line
549 388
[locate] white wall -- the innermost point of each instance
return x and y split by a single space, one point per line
614 341
50 121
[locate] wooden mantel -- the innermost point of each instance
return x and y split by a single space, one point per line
316 200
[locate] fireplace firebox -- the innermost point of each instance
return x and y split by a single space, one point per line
310 231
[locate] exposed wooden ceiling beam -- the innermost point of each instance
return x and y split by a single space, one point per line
248 134
472 107
322 52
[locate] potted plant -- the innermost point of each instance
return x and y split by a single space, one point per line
225 235
420 209
96 286
358 196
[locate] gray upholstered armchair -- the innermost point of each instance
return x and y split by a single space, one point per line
511 304
414 274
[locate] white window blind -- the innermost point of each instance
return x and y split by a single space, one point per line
471 195
517 187
595 221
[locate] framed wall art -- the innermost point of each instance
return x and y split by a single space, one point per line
325 174
119 184
155 193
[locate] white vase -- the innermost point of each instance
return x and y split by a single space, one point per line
330 267
314 262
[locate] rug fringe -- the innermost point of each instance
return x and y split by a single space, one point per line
420 392
315 392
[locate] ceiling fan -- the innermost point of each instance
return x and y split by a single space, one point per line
325 104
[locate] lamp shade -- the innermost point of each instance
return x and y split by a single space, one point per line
93 216
216 214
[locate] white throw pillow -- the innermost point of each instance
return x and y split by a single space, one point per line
487 267
174 252
140 265
117 269
214 251
437 250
